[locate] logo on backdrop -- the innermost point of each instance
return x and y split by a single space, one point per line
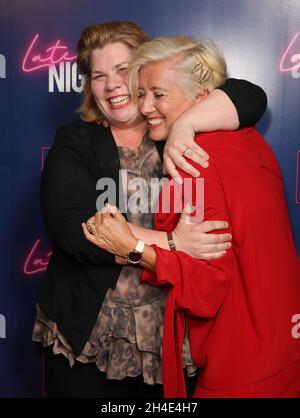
2 66
290 61
37 259
58 61
2 326
296 328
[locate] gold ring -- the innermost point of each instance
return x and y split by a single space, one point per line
89 228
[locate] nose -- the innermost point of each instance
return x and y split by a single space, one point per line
113 81
146 105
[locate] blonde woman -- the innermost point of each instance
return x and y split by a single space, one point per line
240 307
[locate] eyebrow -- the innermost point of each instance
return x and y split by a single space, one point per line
121 63
154 88
158 88
116 66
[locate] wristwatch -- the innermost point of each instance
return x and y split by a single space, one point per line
136 256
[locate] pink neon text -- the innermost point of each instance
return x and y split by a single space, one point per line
53 55
287 58
33 264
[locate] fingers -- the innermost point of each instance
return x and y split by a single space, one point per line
181 162
170 168
111 210
88 235
196 149
215 248
93 237
212 256
196 158
208 226
215 238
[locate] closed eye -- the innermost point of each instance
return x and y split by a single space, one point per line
98 77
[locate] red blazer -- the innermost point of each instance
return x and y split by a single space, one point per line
238 308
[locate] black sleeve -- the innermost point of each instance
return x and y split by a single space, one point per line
249 100
68 198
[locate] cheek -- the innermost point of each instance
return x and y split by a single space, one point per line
175 109
125 79
171 113
163 107
97 90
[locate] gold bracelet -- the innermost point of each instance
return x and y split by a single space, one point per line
171 241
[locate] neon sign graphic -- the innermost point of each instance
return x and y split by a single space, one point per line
285 66
54 54
34 263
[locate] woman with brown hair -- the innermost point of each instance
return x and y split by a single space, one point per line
101 328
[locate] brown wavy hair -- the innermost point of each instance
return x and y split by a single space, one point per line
97 36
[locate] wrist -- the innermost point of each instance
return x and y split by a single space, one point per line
135 255
185 122
130 246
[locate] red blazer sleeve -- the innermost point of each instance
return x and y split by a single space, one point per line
197 287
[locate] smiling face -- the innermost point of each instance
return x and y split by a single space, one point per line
161 100
109 84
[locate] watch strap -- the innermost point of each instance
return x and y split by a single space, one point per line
171 241
140 246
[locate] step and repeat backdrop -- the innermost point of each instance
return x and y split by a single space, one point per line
40 90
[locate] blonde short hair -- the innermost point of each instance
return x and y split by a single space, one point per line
201 64
97 36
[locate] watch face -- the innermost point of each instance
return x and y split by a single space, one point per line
134 257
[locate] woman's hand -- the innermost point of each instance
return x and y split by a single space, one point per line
216 112
195 240
180 144
109 230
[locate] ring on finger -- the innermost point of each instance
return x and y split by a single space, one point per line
89 227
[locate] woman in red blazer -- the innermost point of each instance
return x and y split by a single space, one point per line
240 310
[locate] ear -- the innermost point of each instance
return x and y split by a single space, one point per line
201 95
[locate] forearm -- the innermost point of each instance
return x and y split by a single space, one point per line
150 236
216 112
249 100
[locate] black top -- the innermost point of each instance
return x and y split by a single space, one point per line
79 273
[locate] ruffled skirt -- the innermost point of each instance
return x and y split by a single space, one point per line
125 341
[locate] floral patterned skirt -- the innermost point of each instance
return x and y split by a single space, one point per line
125 341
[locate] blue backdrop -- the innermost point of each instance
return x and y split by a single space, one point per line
261 41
